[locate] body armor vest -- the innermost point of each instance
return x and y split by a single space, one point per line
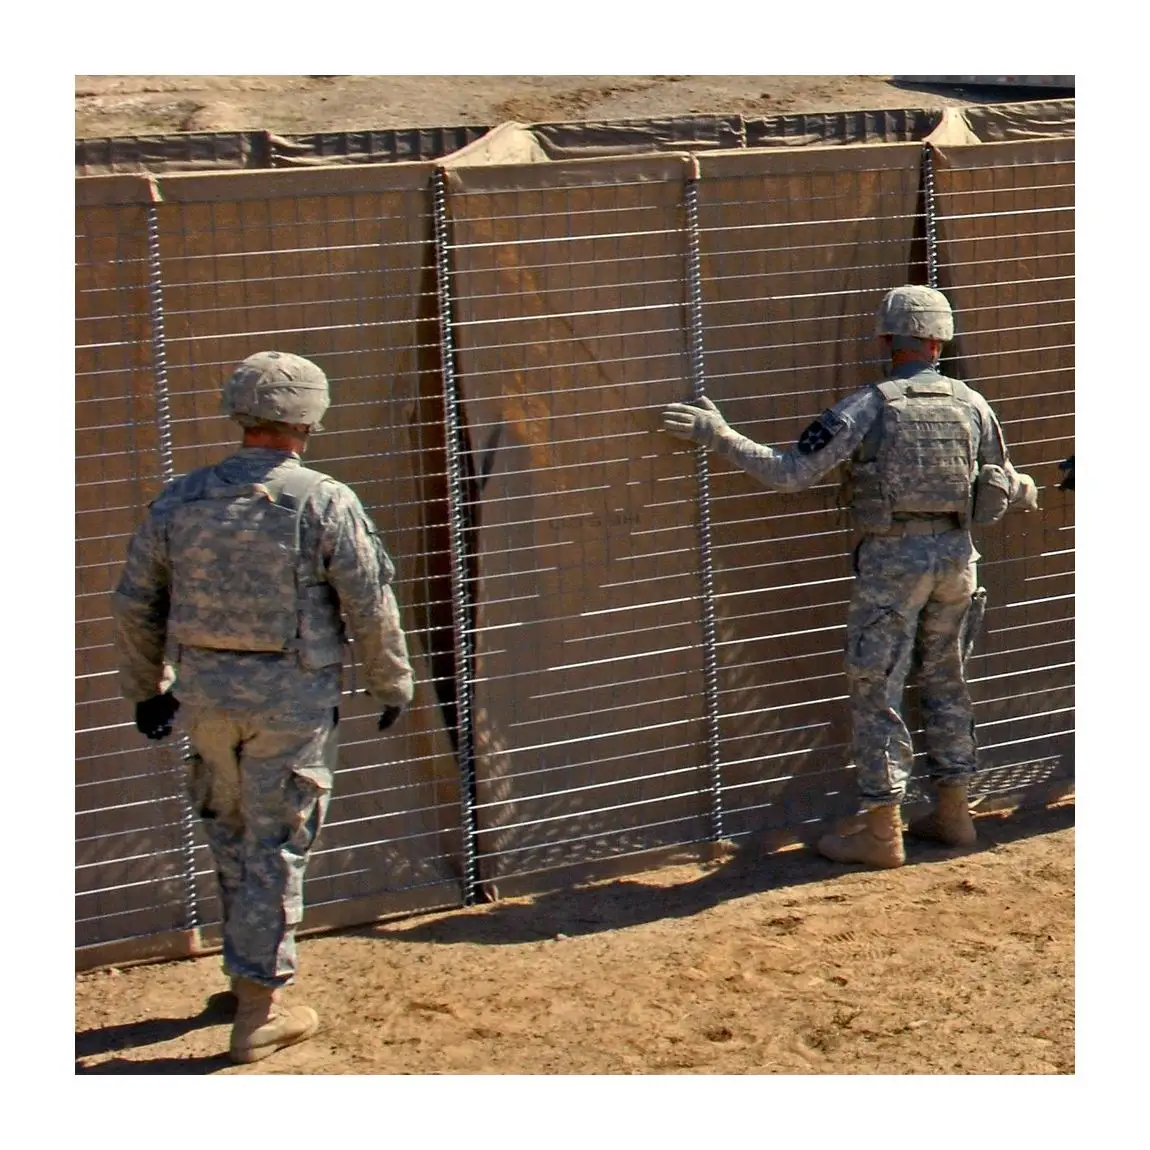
238 580
919 459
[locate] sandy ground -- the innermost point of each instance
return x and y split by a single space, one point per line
961 962
135 105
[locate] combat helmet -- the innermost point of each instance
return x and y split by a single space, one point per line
916 311
276 387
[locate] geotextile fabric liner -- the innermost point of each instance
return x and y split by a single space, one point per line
587 666
570 314
796 250
341 277
1006 261
207 151
129 862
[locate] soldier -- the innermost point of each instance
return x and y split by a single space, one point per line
925 459
233 586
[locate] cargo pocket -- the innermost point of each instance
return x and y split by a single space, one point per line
214 794
199 784
991 495
308 795
873 647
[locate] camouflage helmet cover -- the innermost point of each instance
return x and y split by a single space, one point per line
916 311
276 387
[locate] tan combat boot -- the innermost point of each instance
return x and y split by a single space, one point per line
878 843
949 822
263 1026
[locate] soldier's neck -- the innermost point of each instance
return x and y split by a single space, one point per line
901 356
273 440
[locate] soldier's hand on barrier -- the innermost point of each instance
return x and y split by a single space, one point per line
390 714
1067 466
1029 493
154 716
701 421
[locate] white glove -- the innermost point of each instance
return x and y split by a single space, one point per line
1027 494
700 422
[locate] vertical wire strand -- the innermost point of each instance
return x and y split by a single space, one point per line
931 217
177 760
460 598
703 481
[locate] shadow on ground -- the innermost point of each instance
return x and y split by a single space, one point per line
986 93
133 1035
630 902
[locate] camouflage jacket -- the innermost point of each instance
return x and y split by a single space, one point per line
339 546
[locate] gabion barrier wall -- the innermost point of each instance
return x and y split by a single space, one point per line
622 646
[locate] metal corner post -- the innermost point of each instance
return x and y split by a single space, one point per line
177 768
703 481
460 597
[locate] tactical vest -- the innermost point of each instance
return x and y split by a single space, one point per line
238 580
919 459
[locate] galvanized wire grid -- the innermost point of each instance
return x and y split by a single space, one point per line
588 690
1006 254
646 654
795 265
130 850
349 281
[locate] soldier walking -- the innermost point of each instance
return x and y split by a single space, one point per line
234 587
926 459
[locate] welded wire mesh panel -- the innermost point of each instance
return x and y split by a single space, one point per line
569 286
130 861
1005 217
339 272
797 250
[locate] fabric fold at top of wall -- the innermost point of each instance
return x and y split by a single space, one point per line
222 151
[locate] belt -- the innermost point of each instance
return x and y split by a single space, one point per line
939 526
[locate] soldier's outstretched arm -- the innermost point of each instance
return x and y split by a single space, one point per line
140 613
824 444
360 571
992 449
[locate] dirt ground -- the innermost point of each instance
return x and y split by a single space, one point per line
136 105
962 962
959 963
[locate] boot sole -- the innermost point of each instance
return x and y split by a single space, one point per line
828 853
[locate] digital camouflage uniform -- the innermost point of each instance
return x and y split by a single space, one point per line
237 579
261 723
915 564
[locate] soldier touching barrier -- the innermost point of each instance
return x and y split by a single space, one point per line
231 598
925 460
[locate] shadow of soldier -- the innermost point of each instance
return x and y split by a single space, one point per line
202 1064
631 902
217 1011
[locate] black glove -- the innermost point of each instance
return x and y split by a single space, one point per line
154 716
1067 483
390 714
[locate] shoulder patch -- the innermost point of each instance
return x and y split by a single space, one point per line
820 433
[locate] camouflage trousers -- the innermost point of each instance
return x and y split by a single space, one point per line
910 599
261 785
